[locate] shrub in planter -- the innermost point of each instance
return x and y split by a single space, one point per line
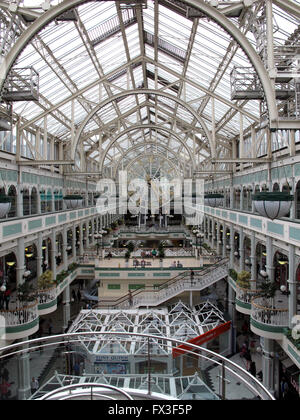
45 281
243 279
233 274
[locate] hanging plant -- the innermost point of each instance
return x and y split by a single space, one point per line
272 205
5 205
45 281
73 201
213 200
243 279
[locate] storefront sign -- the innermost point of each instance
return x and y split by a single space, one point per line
111 358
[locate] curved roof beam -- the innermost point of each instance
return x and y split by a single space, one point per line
136 158
137 146
140 92
143 126
200 5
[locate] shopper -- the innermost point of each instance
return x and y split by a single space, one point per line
50 327
192 277
130 298
7 294
252 368
34 385
4 389
78 295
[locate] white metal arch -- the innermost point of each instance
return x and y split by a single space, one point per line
200 5
143 126
136 158
137 92
137 146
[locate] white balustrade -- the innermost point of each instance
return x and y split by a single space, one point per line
20 313
47 295
268 311
178 285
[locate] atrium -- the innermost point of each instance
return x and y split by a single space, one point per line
150 199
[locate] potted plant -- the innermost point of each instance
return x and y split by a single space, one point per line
233 274
127 256
268 290
5 205
45 281
130 247
161 253
73 201
26 293
243 279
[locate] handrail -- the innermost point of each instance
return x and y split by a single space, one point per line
241 374
266 308
164 285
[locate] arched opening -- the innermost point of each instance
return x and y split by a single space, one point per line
59 249
12 193
298 289
261 260
34 201
30 258
8 266
281 267
297 200
26 202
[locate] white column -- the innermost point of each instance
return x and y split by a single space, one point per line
66 307
20 261
253 258
74 242
39 255
268 364
53 253
23 366
64 247
242 250
292 285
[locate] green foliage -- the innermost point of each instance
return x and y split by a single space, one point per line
233 274
46 281
161 251
130 247
268 289
72 266
243 279
127 255
26 292
288 333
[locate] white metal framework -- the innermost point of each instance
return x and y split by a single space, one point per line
209 77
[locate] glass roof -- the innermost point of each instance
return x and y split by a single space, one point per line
109 49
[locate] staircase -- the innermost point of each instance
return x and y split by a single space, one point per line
147 297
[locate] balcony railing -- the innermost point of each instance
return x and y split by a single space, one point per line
47 299
270 312
21 320
245 295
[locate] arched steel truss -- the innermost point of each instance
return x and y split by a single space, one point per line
144 126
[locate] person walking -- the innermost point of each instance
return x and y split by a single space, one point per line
7 294
4 389
78 295
130 298
73 295
50 327
34 385
252 368
192 277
